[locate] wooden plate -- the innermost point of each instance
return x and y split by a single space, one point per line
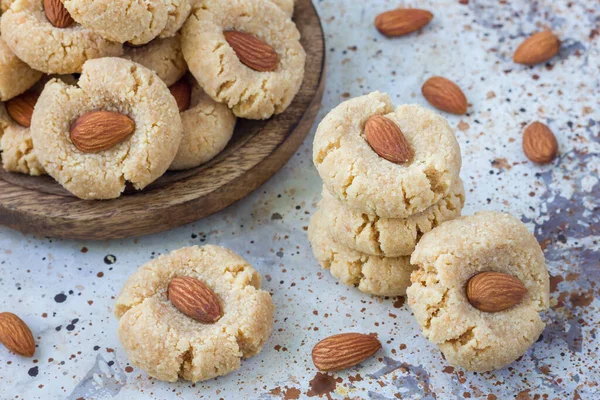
256 152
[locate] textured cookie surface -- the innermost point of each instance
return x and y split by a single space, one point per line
116 85
169 345
207 128
286 5
390 237
371 274
447 258
162 56
215 65
49 49
363 180
15 76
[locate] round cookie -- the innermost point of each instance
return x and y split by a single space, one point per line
207 128
167 344
114 85
368 183
162 56
49 49
15 76
447 258
389 237
213 62
371 274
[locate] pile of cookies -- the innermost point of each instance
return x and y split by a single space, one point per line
389 177
101 94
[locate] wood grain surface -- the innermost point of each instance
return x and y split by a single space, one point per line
257 150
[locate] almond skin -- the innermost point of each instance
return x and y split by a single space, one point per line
57 14
252 52
100 130
495 291
182 91
402 21
387 140
537 48
445 95
343 351
194 299
21 108
539 143
16 335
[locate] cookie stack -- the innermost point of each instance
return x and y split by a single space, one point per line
389 177
98 94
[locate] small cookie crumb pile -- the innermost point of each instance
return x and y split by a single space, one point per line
193 314
479 289
389 177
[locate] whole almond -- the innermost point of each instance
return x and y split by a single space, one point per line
57 14
16 335
252 52
537 48
445 95
194 299
343 351
539 143
100 130
21 108
495 291
182 91
387 140
402 21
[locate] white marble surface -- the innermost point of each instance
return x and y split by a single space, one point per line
65 290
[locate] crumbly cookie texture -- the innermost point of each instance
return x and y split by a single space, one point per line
363 180
37 42
109 84
15 76
178 12
389 237
447 258
134 21
17 151
162 56
286 5
207 128
167 344
371 274
213 62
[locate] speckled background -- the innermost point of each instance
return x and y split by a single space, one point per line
65 290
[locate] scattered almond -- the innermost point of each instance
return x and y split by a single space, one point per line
21 108
16 335
402 21
343 351
182 91
387 140
252 52
495 291
539 143
100 130
537 48
194 299
445 95
57 14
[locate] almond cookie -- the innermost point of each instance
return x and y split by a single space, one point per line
162 56
168 344
453 253
369 183
119 124
134 21
15 76
371 274
207 125
389 237
264 75
47 48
